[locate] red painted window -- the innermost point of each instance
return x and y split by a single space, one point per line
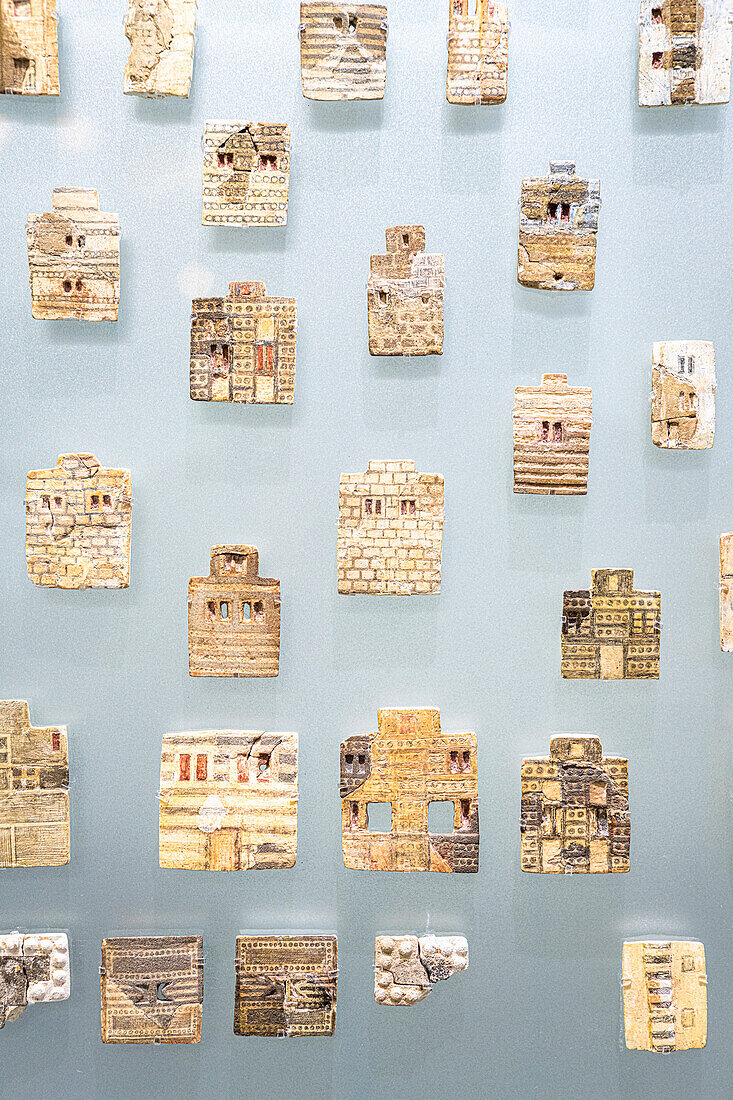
56 741
557 432
202 767
184 767
260 357
242 769
545 431
565 212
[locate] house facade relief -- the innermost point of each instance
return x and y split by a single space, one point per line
552 424
611 631
343 49
29 51
405 296
74 259
575 810
234 617
407 765
246 177
229 800
664 987
683 395
286 986
390 531
34 790
78 524
478 51
243 347
684 51
161 35
558 224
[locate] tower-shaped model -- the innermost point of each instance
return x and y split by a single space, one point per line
343 49
684 52
74 259
558 222
405 296
478 51
409 764
575 810
161 35
29 51
246 177
665 994
611 631
243 347
683 395
552 424
234 617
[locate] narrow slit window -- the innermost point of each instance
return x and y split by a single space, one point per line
690 364
602 822
352 24
57 501
67 286
69 239
242 769
81 241
405 239
545 431
465 809
681 364
259 611
454 761
657 15
657 59
95 501
202 767
46 503
78 284
361 764
354 815
246 612
565 212
382 297
557 432
349 763
465 761
184 767
263 767
107 502
55 741
378 507
552 211
407 507
211 610
224 609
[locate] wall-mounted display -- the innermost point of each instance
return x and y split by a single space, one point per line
611 631
229 800
407 967
575 810
558 223
405 296
161 35
343 49
74 259
552 424
234 617
34 790
665 998
246 178
390 531
684 52
152 989
243 347
403 769
78 524
34 969
683 395
29 50
726 592
478 51
286 986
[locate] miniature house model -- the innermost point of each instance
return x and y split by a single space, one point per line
229 800
78 522
152 989
552 425
161 35
286 986
29 52
407 967
390 531
405 296
664 987
683 395
246 173
234 617
684 51
409 764
243 347
478 51
611 632
558 222
33 970
74 259
343 49
34 791
575 810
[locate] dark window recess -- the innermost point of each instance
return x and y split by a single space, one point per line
348 763
46 502
242 769
407 507
557 432
67 286
441 817
601 822
55 741
545 433
352 24
268 163
465 813
57 501
69 239
454 761
382 297
657 59
552 210
81 241
259 611
565 212
184 767
263 766
657 15
405 239
95 500
78 284
211 610
465 761
202 767
354 815
107 502
225 160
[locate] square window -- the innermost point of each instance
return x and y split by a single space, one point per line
688 1017
441 817
688 962
379 817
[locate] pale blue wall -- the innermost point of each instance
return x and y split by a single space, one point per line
538 1013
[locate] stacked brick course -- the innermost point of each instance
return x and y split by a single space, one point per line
343 49
246 177
29 52
78 522
390 531
558 223
243 347
405 296
478 51
552 426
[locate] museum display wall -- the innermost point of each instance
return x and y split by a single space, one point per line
195 481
